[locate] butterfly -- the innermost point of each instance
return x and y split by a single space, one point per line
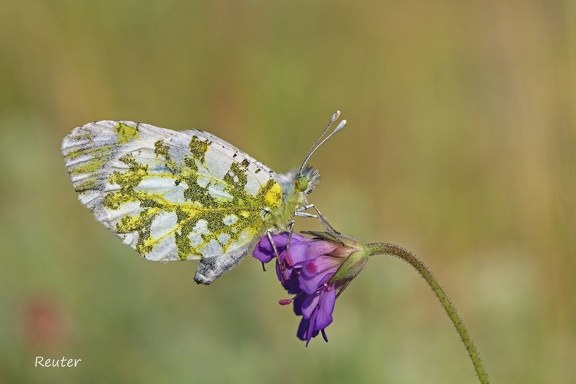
185 195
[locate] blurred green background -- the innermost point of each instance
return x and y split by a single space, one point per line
460 146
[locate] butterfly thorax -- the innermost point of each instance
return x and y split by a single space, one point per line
295 185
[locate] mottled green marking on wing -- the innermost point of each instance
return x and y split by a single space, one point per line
200 203
198 148
96 157
84 135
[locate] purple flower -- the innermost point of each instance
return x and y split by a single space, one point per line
316 270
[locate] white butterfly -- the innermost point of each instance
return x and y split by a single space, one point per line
185 195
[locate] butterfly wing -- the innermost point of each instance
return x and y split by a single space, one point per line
172 195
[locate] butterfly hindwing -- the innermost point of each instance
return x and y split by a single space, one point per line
172 195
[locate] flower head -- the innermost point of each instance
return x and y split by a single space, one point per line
316 270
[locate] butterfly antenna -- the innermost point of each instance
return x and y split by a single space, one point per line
319 141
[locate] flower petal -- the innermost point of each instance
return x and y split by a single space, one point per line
261 254
310 284
320 265
288 279
316 311
298 301
304 330
309 305
325 308
324 335
322 247
264 250
299 253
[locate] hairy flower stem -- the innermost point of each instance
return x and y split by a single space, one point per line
410 258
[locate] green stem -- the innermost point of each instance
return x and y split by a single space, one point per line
410 258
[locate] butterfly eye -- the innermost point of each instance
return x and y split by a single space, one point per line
301 183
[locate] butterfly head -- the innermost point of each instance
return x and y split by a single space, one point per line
306 180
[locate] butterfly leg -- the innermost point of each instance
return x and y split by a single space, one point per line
269 235
280 264
290 228
300 213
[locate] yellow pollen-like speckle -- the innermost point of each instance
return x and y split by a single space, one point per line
125 133
273 197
